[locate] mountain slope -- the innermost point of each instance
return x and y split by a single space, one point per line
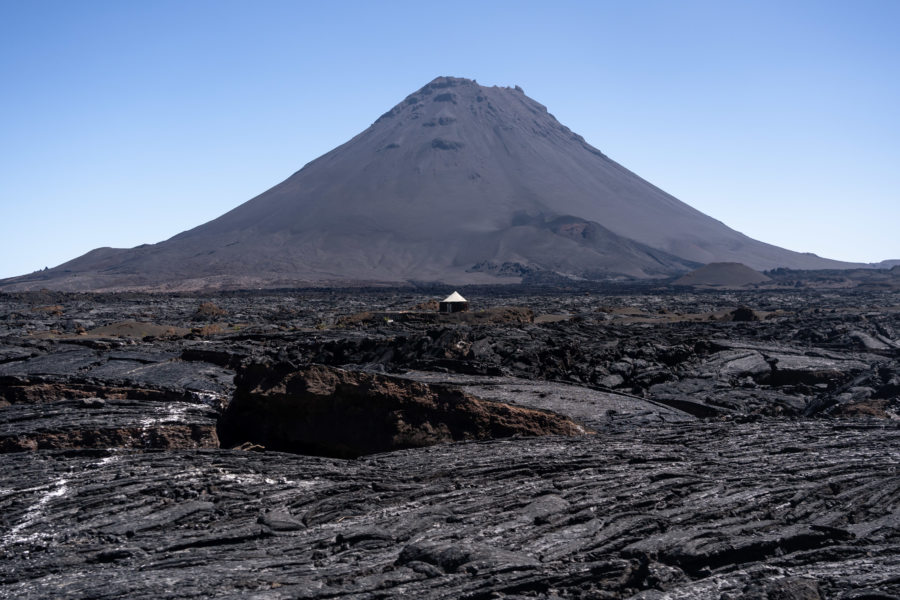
459 183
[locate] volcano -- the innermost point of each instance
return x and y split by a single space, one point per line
458 183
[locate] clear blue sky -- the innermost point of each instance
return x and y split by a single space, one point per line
124 123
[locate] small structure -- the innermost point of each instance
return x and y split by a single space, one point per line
453 303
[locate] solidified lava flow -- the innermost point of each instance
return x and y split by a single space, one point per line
582 443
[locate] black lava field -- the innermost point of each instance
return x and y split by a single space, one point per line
586 443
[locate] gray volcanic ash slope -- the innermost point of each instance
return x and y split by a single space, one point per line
723 275
458 183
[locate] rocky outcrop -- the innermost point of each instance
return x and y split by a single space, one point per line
99 423
333 412
128 396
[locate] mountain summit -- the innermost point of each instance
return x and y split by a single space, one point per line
459 183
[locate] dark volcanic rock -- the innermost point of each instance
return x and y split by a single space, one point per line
98 423
705 479
333 412
132 372
597 409
768 509
497 315
744 313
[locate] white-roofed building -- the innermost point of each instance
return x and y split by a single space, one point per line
453 303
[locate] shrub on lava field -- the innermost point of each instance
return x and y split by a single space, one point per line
209 311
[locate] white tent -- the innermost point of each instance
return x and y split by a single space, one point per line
453 303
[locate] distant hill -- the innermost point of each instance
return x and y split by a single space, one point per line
728 274
459 183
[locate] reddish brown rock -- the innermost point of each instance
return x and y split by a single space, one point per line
329 411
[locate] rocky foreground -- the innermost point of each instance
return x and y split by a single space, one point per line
702 445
